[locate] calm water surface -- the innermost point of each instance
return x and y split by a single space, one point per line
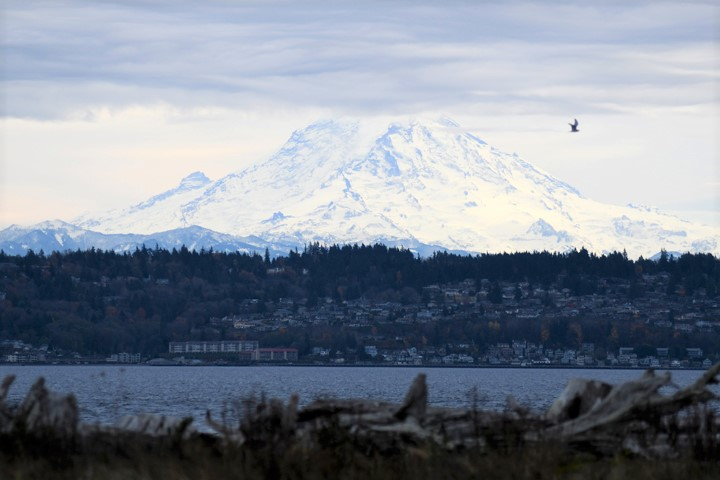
106 393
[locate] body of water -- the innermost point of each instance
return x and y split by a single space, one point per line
106 393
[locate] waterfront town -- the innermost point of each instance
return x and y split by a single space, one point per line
416 328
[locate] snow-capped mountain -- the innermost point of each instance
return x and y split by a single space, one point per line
423 185
60 236
155 209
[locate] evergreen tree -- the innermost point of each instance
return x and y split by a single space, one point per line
495 295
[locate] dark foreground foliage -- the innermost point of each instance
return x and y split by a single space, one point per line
335 455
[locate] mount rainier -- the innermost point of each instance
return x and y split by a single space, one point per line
423 185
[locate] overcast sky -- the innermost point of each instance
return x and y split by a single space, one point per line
107 103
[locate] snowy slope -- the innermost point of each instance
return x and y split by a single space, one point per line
161 212
60 236
422 184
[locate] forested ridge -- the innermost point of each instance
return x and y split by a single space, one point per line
100 302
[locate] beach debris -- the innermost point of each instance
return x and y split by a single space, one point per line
588 415
415 404
156 425
41 411
637 416
578 398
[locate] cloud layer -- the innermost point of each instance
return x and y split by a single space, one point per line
62 58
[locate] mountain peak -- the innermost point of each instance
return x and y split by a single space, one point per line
194 180
419 181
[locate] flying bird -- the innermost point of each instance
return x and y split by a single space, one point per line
574 126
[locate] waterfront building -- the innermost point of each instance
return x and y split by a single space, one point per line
219 346
275 354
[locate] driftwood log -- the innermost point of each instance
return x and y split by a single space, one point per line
41 411
588 415
636 416
46 413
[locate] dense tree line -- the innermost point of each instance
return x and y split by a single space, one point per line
96 301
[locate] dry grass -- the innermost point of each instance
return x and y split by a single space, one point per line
331 454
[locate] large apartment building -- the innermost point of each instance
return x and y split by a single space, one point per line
220 346
247 350
275 354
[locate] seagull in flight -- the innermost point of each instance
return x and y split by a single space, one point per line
574 126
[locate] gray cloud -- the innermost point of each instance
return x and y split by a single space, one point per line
62 58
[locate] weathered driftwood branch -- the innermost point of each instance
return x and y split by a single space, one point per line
40 411
620 404
579 397
156 425
46 413
632 401
588 414
592 414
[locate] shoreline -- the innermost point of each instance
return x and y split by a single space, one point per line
352 365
